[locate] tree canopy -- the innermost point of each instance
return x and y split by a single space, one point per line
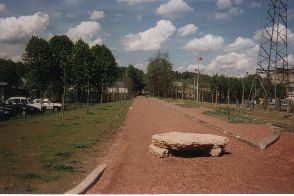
159 73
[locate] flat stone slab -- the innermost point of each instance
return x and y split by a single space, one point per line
177 141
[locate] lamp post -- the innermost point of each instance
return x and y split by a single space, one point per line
199 59
194 95
198 85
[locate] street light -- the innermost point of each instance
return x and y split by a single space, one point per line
199 59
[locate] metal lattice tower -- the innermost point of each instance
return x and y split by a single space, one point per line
272 74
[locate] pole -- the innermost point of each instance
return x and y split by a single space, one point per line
198 84
194 94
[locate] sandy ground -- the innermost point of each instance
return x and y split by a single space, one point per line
242 169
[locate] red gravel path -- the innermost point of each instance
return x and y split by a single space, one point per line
243 169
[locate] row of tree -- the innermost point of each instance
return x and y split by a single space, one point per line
160 78
54 65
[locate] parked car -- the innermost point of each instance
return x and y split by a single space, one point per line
48 104
22 103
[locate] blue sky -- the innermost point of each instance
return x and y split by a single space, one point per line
223 32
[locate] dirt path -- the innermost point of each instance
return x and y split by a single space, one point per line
243 169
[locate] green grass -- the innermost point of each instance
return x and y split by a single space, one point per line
241 115
39 155
233 115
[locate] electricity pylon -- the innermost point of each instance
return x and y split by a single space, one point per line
272 74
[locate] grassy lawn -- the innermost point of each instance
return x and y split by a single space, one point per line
38 155
235 114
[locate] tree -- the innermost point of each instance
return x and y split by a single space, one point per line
82 70
106 70
159 72
37 57
135 79
60 46
10 72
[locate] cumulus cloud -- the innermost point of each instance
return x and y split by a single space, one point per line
282 29
87 31
191 68
15 29
240 44
187 30
207 43
173 7
134 2
223 4
151 39
233 11
227 9
15 32
2 7
97 15
241 57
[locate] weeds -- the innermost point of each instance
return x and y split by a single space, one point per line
233 115
64 154
29 175
80 146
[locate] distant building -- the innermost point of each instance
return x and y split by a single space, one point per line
276 79
291 84
118 88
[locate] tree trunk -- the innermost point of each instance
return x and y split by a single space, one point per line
101 95
62 98
88 95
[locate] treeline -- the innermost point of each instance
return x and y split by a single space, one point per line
56 65
161 82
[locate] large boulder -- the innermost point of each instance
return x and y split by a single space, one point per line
179 142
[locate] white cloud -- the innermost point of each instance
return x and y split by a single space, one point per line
15 32
240 44
15 29
173 7
142 66
191 68
232 64
187 30
2 7
134 2
282 29
97 15
233 11
151 39
228 9
87 31
207 43
241 58
223 4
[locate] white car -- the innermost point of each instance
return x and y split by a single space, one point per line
48 104
24 101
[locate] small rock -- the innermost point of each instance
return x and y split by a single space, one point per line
161 152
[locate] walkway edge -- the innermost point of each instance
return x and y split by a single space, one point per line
276 131
89 181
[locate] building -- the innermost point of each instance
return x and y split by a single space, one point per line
291 84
